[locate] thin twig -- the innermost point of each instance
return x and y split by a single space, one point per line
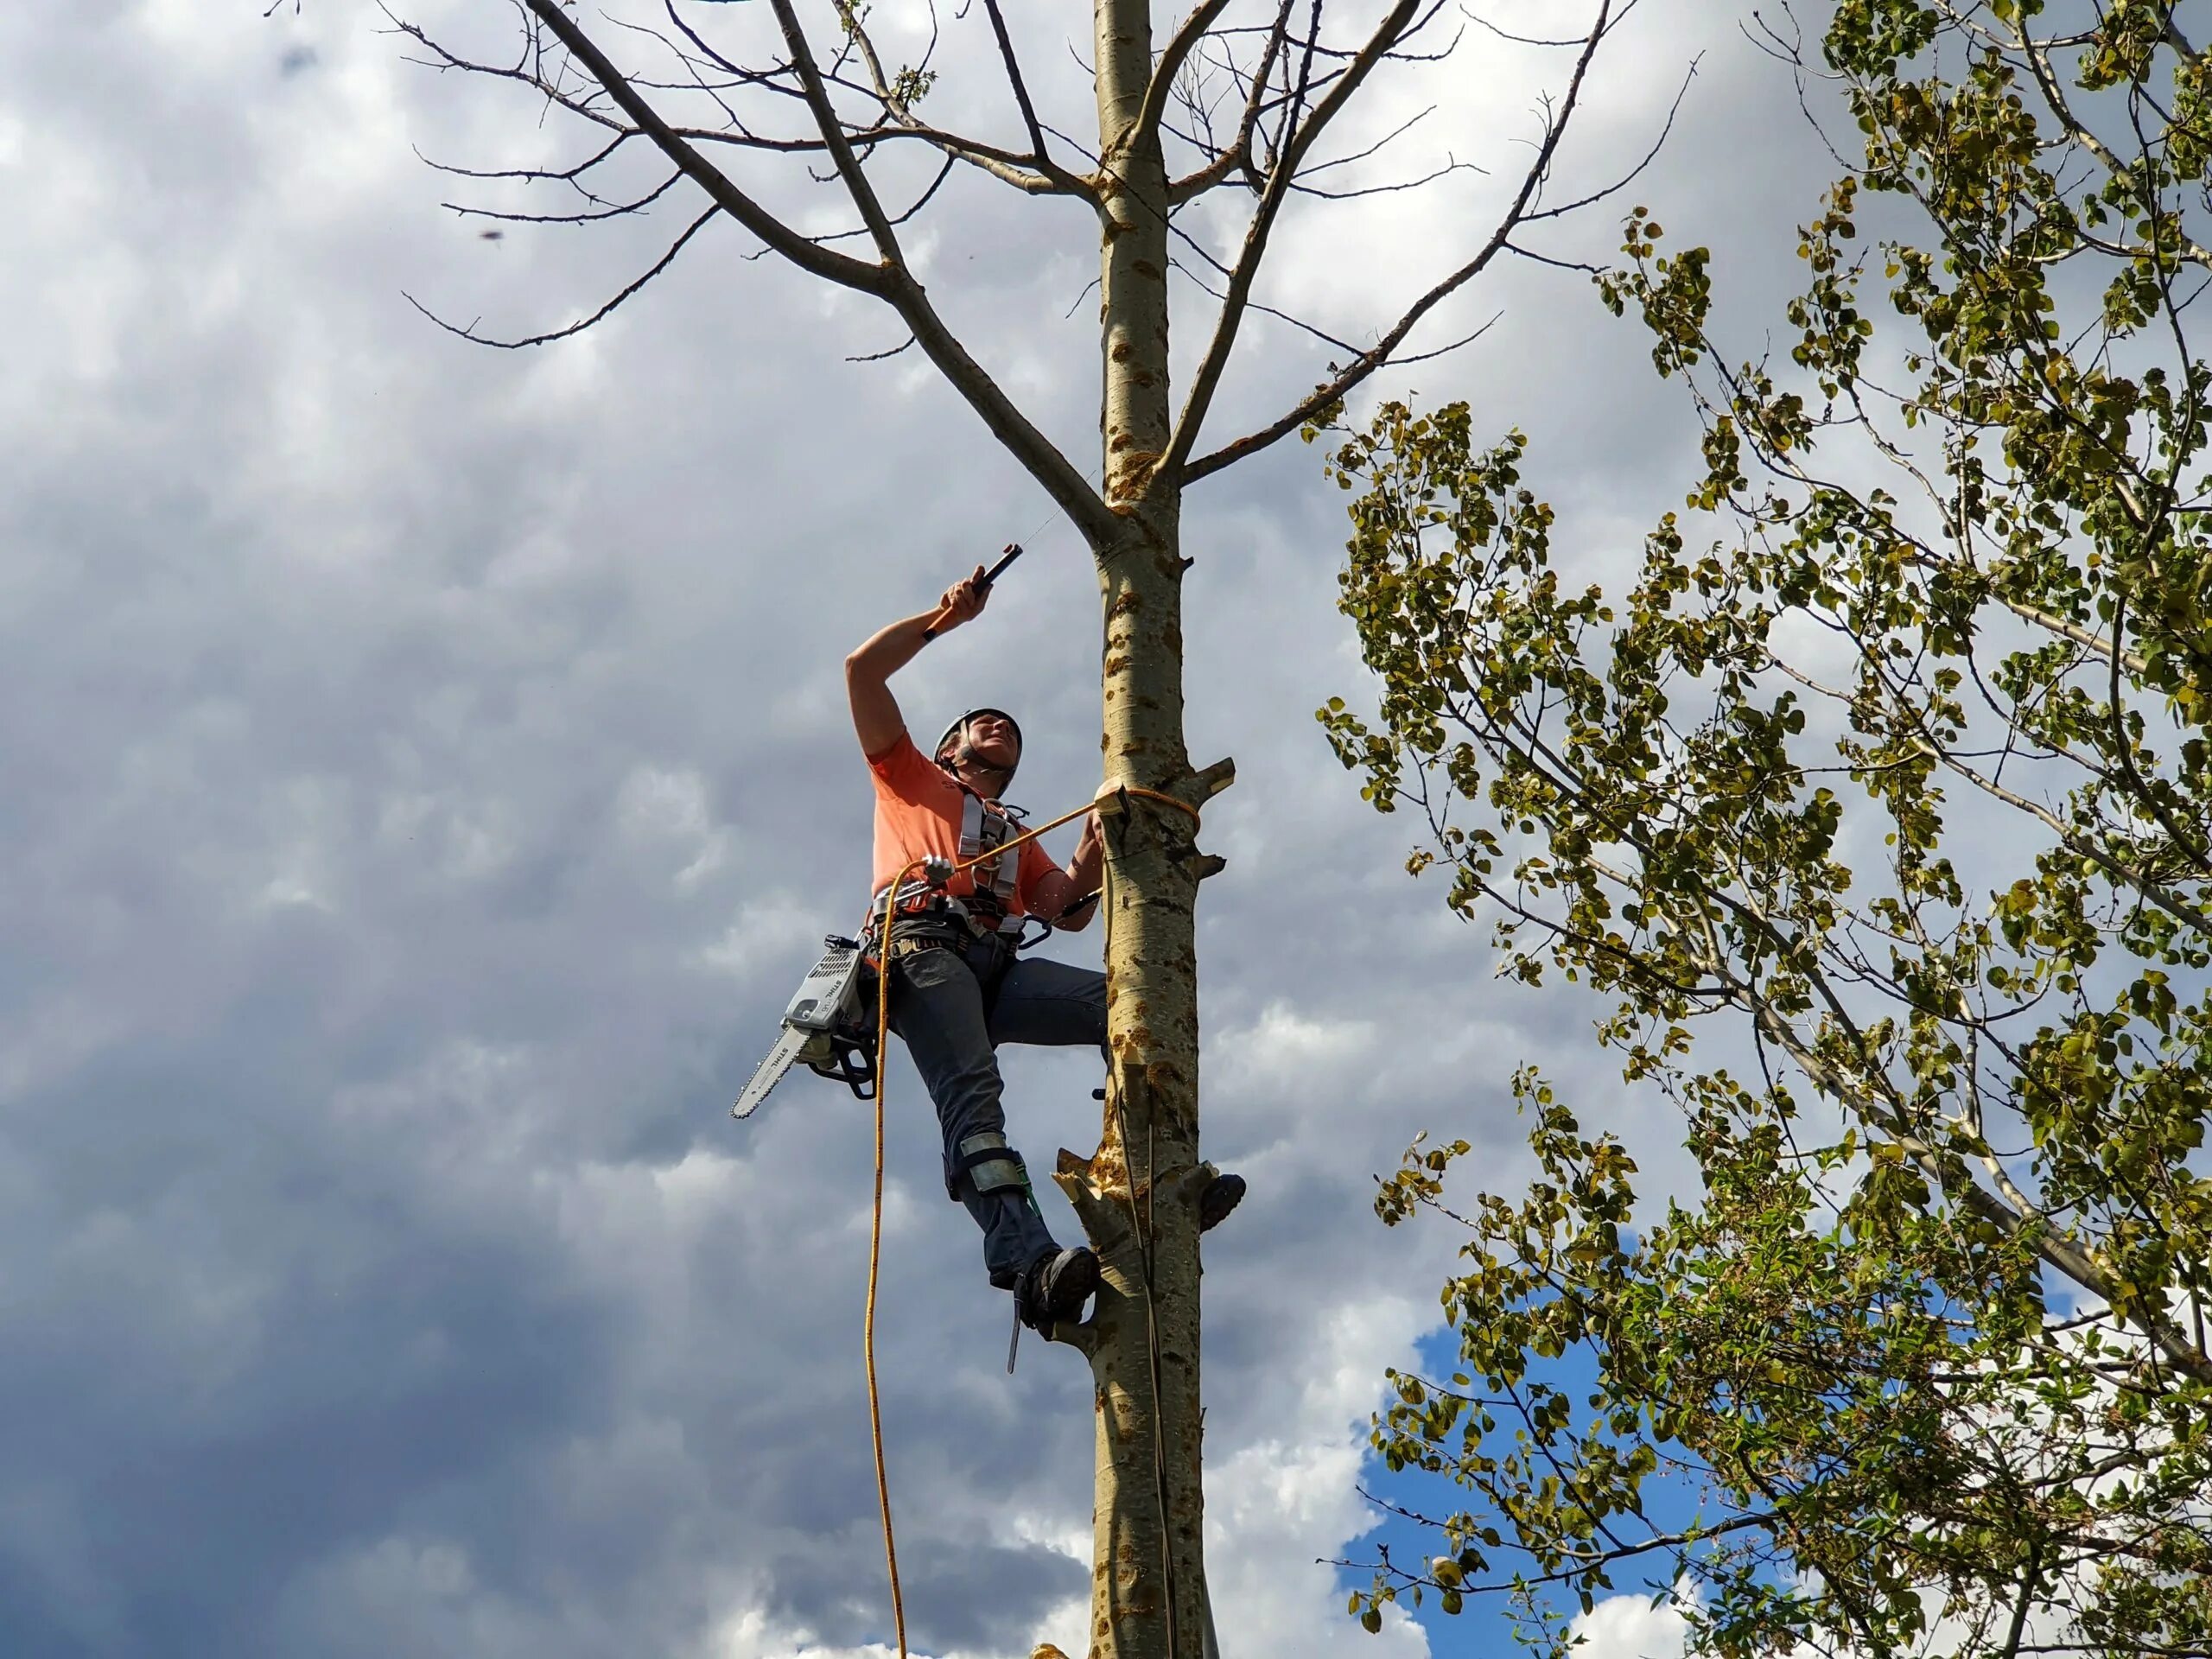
660 265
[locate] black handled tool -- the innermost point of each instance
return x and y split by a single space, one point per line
1013 552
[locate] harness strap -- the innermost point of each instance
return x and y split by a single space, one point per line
981 829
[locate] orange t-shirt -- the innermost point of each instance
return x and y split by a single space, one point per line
918 806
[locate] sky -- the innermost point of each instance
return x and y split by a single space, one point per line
427 775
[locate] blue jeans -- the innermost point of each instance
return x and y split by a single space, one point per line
937 1009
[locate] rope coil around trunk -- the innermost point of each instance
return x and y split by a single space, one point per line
875 1227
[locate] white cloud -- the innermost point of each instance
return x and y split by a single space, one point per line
670 809
1632 1627
1279 1505
1284 1044
751 1635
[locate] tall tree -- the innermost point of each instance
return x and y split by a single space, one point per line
1877 823
748 108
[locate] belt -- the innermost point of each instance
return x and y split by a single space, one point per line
946 918
907 944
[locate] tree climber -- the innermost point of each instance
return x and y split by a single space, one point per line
957 988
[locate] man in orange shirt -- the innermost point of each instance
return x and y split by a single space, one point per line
957 989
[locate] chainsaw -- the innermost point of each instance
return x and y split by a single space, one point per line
829 1026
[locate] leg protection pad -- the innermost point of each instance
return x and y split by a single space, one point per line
987 1165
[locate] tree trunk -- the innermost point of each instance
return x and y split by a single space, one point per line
1138 1195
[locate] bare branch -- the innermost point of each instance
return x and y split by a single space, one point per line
660 265
1048 179
521 71
1467 339
1398 131
832 129
1001 164
1445 171
1481 22
878 357
1332 391
606 210
944 172
1193 30
738 138
768 79
1238 155
1666 130
1046 464
1216 172
889 281
1325 337
840 268
1585 267
1207 376
569 175
1020 87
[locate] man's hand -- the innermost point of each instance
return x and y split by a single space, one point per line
876 718
1089 852
962 602
1057 893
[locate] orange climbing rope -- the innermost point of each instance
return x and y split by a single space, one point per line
875 1229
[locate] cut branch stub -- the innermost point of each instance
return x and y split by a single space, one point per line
1105 1223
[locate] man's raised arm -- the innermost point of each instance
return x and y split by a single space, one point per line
876 719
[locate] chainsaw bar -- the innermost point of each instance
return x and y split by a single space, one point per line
770 1071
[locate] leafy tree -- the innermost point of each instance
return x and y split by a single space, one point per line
797 131
1873 803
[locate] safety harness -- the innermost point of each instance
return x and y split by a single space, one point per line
986 931
990 852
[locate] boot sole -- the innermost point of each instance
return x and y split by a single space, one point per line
1076 1283
1073 1289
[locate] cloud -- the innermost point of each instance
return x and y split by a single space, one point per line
1632 1627
1293 1492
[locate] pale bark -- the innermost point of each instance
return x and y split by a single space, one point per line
1137 1196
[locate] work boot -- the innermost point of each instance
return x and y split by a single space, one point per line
1223 1194
1055 1287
